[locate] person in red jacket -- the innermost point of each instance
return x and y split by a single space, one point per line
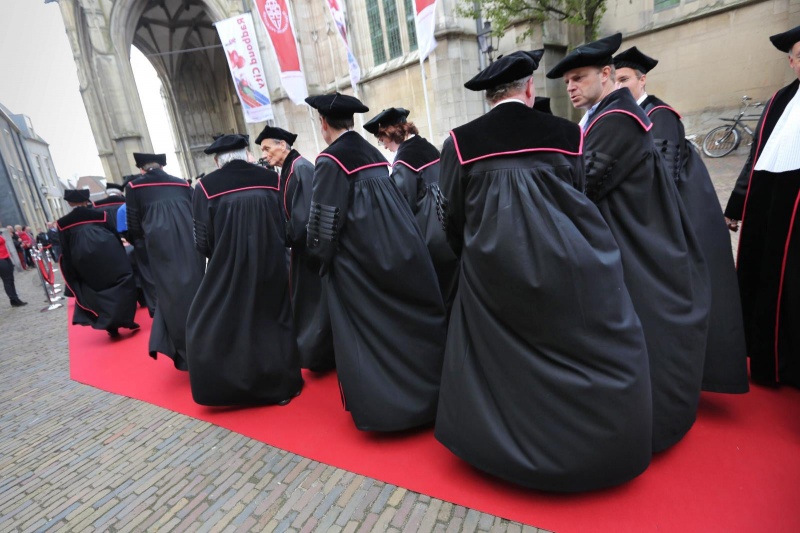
7 274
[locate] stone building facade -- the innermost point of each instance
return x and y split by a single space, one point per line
28 180
711 52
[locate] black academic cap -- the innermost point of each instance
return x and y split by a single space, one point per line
77 196
336 105
542 103
228 143
142 159
117 186
387 117
271 132
507 68
633 58
786 40
595 54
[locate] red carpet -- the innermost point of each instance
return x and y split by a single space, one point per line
738 469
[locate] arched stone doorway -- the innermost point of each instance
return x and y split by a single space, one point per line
179 39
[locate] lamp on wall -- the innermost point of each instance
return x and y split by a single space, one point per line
45 190
487 42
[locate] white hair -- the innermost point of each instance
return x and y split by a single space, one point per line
506 90
226 157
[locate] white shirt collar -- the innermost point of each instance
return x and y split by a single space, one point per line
507 100
642 98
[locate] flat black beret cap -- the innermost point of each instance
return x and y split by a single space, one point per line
142 159
507 68
117 186
77 196
336 105
595 54
228 143
271 132
786 40
633 58
387 117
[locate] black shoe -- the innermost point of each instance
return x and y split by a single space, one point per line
133 326
18 303
289 399
113 332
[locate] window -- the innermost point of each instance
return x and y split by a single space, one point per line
385 28
661 5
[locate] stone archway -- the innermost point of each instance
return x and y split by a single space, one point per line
181 43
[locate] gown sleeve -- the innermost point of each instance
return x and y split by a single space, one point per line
132 216
202 224
328 210
407 182
299 202
735 208
609 155
452 188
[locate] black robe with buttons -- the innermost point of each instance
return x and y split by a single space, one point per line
725 368
387 314
545 381
159 216
309 300
664 267
241 343
415 171
96 270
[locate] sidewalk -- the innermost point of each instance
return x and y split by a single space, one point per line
74 458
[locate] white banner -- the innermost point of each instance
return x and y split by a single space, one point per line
339 14
238 38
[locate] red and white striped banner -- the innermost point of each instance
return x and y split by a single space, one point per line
275 16
425 18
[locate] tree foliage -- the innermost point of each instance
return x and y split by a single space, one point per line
505 13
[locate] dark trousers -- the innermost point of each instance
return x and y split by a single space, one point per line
7 274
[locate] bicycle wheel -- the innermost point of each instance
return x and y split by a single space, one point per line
721 141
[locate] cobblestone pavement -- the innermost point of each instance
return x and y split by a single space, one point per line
75 458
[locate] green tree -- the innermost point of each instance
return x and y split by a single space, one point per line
505 13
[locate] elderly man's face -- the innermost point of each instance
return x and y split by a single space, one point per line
584 86
274 152
794 59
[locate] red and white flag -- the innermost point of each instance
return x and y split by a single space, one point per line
425 18
275 16
339 14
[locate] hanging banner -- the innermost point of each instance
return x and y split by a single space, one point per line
425 18
339 15
238 38
275 16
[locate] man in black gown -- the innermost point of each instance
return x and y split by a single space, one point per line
725 368
386 311
545 381
665 271
766 200
159 217
309 301
241 343
95 267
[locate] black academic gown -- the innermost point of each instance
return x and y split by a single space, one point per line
241 343
309 300
545 381
110 205
665 271
96 270
769 256
159 215
415 171
387 314
725 367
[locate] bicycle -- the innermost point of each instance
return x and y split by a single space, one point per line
723 140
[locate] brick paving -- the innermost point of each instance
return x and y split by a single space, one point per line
75 458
